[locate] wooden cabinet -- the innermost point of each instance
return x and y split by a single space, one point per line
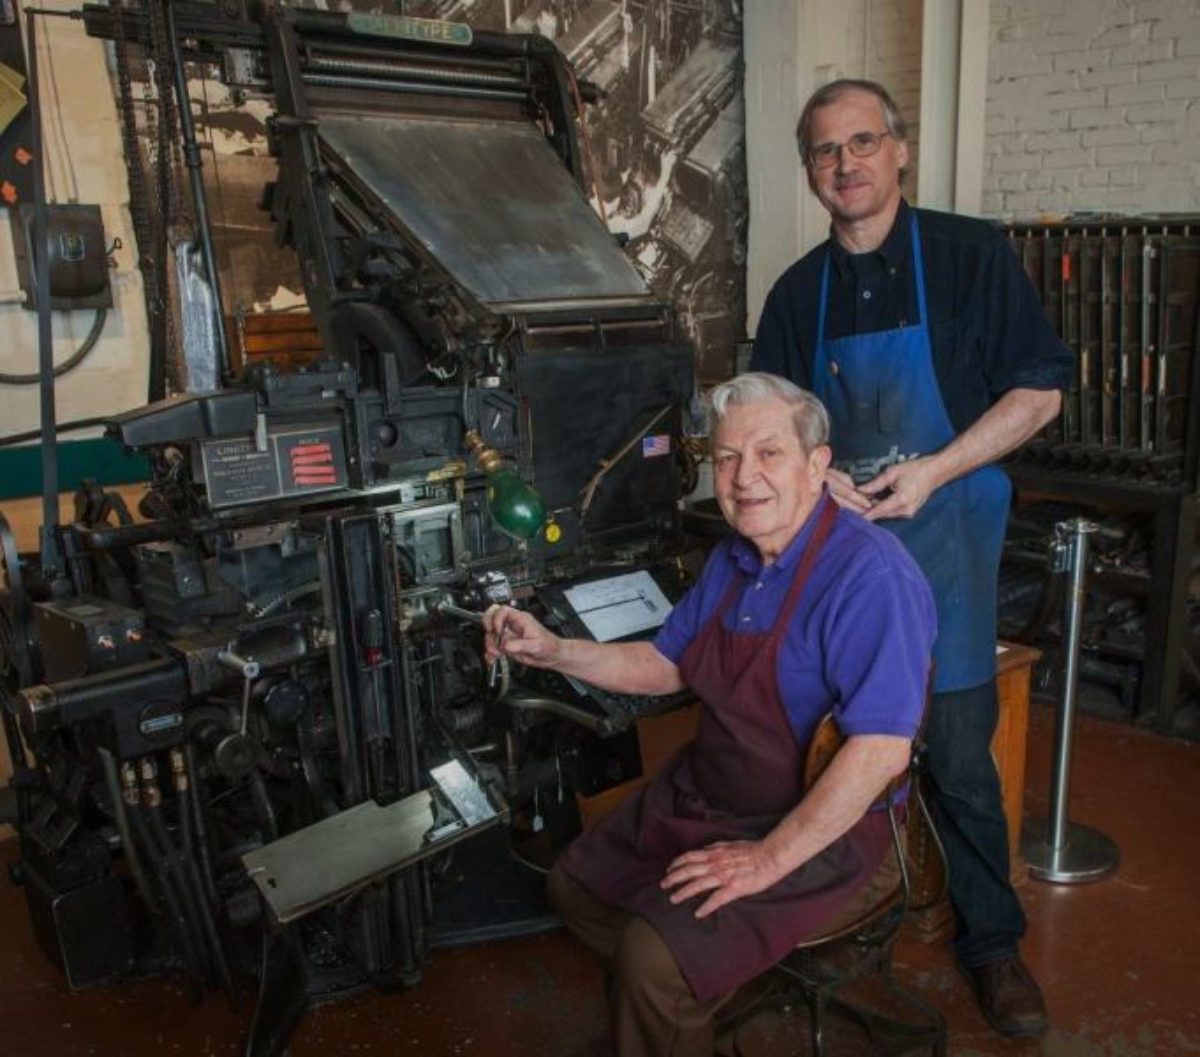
1014 669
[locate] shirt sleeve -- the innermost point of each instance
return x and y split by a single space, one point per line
690 613
878 649
1022 350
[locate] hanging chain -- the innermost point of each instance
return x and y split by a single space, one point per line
170 156
144 217
168 160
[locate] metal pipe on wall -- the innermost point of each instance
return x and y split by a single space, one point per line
51 556
191 155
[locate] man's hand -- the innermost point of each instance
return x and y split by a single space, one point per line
728 870
845 493
626 667
911 484
512 633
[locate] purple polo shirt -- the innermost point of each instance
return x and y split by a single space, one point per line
860 639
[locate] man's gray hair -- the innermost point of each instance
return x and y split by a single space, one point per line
808 413
831 93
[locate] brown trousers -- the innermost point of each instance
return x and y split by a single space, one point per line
653 1010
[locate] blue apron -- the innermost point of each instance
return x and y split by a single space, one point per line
885 405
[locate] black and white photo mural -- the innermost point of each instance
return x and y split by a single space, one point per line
666 142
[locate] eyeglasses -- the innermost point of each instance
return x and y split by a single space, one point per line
860 145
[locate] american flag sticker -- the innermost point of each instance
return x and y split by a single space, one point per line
656 445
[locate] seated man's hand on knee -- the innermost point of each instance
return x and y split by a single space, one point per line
727 870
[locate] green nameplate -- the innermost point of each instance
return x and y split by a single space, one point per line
405 27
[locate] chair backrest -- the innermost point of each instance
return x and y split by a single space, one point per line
924 877
929 877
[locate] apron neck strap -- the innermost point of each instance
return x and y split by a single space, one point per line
823 299
918 268
825 520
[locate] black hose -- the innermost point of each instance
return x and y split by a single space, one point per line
186 830
190 902
70 363
191 878
312 774
141 829
196 805
262 806
187 905
121 816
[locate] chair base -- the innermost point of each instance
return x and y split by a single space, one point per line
891 1035
817 984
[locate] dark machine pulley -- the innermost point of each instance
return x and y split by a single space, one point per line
375 343
16 646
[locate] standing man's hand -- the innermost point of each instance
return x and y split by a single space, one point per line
911 484
845 493
512 633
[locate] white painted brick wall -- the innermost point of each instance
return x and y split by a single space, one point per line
893 29
1092 105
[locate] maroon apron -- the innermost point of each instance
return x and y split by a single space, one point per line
736 781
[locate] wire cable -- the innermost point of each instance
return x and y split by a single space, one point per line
61 427
69 364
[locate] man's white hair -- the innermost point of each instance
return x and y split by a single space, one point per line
808 413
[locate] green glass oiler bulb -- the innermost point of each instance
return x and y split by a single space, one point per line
515 507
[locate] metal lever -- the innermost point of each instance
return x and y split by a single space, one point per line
469 615
249 671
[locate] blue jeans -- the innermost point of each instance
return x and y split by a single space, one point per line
969 814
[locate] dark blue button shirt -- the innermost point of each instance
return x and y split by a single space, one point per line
860 639
988 330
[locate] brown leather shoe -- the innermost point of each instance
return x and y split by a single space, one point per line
1009 997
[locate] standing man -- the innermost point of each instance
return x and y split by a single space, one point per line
926 342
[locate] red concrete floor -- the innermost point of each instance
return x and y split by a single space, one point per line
1118 959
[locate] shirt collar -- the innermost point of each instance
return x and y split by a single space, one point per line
745 554
893 251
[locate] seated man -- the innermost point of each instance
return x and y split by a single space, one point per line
723 863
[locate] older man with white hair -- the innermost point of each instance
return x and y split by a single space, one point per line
724 862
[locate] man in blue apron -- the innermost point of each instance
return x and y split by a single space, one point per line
926 341
724 862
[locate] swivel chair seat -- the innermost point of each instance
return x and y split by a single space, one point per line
858 946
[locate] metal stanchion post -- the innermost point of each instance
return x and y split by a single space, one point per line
1057 849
